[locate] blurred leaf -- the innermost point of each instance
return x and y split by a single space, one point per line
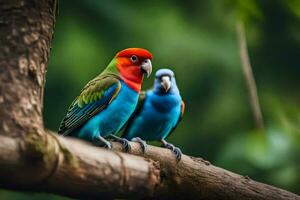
245 10
8 195
294 6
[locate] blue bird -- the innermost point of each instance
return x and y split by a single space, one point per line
158 113
106 103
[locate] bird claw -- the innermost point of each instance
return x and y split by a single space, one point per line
174 149
170 146
177 153
100 141
107 145
142 143
125 143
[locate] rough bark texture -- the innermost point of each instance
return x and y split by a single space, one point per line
80 171
195 178
34 159
26 29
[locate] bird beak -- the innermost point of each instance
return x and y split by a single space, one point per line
146 67
165 83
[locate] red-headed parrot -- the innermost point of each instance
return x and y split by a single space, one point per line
105 104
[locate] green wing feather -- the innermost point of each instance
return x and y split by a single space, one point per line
93 98
142 97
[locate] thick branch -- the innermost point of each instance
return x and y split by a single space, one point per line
195 178
84 171
80 170
88 171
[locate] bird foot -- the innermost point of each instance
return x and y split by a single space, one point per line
142 143
169 146
107 145
100 141
125 143
177 153
175 150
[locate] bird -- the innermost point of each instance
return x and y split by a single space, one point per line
106 102
158 113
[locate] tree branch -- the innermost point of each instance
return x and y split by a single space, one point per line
195 178
85 171
80 170
249 77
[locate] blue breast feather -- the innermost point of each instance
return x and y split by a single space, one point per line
113 117
158 116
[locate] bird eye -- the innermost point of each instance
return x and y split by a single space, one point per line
134 58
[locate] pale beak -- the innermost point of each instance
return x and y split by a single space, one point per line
165 83
146 67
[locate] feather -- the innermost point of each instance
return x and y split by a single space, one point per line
94 97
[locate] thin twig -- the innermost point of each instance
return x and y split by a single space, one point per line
249 77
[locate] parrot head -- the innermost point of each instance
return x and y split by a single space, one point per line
165 81
132 64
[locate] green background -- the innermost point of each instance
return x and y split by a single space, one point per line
198 40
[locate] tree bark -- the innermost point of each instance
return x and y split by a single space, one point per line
85 171
26 29
195 178
34 159
80 171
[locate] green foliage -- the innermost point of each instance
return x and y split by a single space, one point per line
8 195
293 6
245 10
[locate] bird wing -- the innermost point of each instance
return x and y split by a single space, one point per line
182 109
93 98
142 97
